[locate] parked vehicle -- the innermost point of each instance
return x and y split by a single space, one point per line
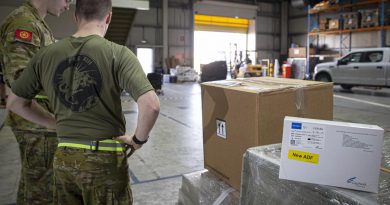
365 67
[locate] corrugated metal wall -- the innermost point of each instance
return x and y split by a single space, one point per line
267 17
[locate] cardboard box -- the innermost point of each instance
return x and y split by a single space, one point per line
334 24
370 18
242 113
323 26
299 52
351 20
332 153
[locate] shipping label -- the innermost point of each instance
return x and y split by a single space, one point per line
221 128
303 156
357 140
307 135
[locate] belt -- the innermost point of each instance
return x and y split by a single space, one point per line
98 145
43 97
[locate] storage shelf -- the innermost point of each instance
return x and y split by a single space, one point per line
336 32
337 8
345 34
326 55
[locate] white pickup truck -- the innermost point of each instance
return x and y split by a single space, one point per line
365 67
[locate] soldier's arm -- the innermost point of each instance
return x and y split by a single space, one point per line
132 77
21 43
30 110
148 110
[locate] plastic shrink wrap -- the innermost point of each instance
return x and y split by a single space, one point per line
202 187
260 183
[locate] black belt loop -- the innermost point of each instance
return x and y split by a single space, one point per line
96 144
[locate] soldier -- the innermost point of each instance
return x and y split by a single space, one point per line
3 94
22 34
83 76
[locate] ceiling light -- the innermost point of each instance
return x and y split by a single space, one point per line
143 40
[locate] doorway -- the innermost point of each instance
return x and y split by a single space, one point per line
218 38
210 46
145 57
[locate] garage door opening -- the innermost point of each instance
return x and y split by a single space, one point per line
145 57
219 38
210 46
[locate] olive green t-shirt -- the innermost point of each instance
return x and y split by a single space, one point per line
83 78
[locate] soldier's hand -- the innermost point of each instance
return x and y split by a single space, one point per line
128 140
130 146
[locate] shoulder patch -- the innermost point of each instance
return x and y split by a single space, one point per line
23 35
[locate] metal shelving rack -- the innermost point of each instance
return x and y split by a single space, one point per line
345 34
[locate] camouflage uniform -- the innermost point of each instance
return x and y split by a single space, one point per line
83 78
2 83
101 175
22 34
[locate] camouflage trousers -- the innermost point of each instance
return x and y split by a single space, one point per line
83 176
36 179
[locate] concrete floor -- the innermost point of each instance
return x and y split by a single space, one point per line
175 146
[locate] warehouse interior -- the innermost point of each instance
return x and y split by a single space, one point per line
273 43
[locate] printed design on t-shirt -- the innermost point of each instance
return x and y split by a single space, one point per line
78 82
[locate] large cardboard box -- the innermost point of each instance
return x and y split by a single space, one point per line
300 52
332 153
238 114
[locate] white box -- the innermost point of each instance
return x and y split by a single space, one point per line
332 153
166 78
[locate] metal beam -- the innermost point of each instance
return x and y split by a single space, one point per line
165 34
267 33
160 27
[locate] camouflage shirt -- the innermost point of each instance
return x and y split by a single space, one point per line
22 34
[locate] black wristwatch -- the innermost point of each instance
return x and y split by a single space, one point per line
138 142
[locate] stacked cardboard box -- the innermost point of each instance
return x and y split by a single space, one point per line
334 24
261 183
324 24
242 113
300 52
370 18
351 20
186 74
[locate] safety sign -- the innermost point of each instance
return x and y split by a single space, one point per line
221 128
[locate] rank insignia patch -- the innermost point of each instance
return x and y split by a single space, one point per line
23 35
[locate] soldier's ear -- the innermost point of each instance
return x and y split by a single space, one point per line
108 18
